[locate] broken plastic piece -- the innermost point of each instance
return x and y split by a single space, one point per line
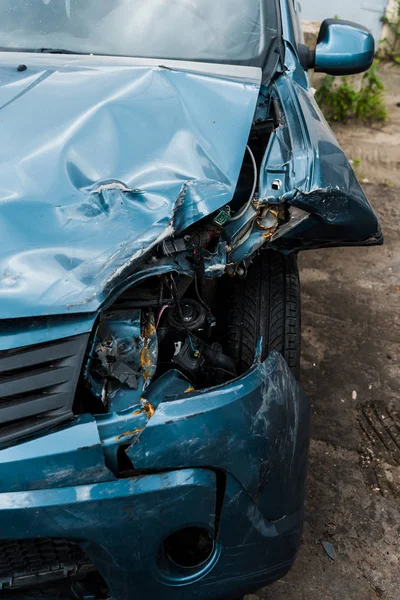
329 549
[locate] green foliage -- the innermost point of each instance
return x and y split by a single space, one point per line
370 103
390 46
337 102
342 101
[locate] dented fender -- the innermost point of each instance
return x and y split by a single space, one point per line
315 177
256 428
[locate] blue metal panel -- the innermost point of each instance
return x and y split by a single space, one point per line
315 174
343 48
121 526
73 454
255 428
17 333
105 157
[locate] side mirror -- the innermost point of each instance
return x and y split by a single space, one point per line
343 48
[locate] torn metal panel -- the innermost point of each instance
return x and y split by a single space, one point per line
315 176
255 428
95 174
255 229
296 218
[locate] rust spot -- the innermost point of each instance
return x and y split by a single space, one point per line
147 407
127 433
145 361
137 412
189 390
149 330
268 235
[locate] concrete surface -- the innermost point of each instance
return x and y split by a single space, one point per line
351 371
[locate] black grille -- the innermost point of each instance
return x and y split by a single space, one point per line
26 563
37 385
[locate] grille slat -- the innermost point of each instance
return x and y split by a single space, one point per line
27 562
31 407
35 381
37 386
22 358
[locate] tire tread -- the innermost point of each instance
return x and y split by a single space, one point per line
267 303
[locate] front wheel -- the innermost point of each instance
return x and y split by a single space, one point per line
266 303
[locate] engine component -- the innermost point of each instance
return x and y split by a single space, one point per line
194 355
216 359
123 358
174 246
188 356
188 315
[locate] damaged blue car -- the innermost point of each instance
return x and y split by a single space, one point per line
162 165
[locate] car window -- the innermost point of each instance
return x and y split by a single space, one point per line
293 8
234 31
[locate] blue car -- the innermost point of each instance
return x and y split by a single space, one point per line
161 166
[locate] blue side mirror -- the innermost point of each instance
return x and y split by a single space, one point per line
343 48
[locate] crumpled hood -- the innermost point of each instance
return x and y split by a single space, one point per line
101 159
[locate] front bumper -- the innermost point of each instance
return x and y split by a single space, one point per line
230 461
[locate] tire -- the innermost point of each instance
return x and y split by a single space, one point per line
266 303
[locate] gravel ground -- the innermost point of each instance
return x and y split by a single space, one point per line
351 371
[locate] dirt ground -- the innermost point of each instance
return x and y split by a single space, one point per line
351 371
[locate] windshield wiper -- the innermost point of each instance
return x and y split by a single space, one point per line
57 51
41 50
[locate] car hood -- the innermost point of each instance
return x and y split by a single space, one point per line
101 159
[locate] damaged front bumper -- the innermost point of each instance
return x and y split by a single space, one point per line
221 471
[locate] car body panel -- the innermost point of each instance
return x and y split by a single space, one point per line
94 174
316 177
265 442
71 455
254 428
17 333
129 518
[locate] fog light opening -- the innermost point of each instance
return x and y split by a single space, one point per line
189 548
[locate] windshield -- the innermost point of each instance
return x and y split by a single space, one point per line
228 31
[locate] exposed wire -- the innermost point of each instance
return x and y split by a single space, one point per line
160 314
253 191
196 352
